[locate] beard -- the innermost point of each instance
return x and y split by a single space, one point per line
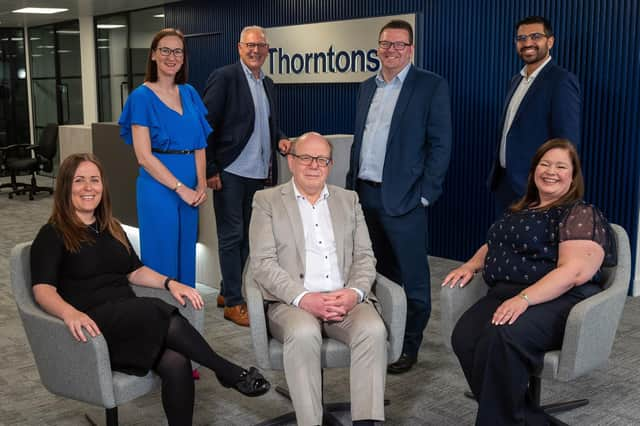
541 54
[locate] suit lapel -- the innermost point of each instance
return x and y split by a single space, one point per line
403 102
245 92
536 86
368 91
291 206
515 82
337 222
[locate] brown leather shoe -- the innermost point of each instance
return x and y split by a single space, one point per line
237 314
220 301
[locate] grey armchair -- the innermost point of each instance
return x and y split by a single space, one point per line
80 371
589 332
335 354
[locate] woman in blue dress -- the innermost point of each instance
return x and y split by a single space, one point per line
165 121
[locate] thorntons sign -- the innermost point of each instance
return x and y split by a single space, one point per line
328 52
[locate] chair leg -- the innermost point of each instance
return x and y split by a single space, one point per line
111 416
535 388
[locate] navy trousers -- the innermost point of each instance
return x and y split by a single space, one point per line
497 360
400 246
232 205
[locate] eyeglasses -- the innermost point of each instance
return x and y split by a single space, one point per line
165 51
308 159
256 45
398 45
533 36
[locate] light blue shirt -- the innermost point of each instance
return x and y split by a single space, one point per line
253 161
376 128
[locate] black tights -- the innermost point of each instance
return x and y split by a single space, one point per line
185 343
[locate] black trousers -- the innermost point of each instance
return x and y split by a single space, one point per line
497 360
232 206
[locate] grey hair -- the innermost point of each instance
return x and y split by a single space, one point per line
245 30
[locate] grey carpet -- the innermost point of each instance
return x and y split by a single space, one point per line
431 394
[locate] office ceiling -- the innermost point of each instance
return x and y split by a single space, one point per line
76 8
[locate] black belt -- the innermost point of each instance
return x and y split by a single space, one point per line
371 183
173 151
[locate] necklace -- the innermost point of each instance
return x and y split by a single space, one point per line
94 227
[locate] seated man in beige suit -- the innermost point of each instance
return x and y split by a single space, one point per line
310 253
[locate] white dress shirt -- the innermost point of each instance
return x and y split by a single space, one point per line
514 104
322 273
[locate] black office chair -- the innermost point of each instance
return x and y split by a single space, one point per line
41 161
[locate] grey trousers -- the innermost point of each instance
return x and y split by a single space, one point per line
301 335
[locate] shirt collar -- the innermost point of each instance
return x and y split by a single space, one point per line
399 77
248 72
323 195
523 71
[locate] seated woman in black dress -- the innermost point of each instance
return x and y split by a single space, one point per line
81 267
541 258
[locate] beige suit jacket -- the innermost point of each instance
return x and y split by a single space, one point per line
276 241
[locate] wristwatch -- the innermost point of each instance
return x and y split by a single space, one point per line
178 185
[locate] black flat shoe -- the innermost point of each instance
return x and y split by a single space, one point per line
250 383
402 365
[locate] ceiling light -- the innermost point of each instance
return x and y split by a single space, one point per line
160 15
109 26
103 40
67 32
40 10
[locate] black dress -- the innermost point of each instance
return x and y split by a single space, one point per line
94 281
498 360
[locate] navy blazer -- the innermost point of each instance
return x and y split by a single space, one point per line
550 109
419 142
231 113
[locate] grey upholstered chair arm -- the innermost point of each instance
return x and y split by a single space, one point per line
258 320
589 335
194 316
77 370
455 301
592 323
394 313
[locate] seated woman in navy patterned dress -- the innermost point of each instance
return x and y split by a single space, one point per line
541 258
81 267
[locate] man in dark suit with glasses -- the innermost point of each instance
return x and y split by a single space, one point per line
399 157
543 102
240 157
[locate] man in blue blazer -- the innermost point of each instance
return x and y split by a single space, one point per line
399 158
543 103
240 157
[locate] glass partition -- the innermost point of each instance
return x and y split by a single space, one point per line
56 74
14 112
122 43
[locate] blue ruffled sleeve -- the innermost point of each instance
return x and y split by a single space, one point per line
141 109
201 112
137 110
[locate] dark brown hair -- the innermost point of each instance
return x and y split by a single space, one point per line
398 24
151 74
576 189
64 216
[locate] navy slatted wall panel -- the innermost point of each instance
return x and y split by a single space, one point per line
469 43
